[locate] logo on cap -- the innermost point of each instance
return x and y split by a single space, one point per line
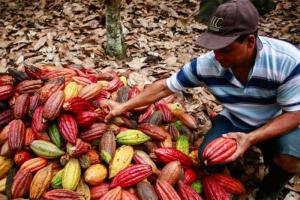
216 23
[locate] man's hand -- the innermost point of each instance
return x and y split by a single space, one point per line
243 143
116 109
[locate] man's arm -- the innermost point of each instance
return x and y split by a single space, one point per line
151 94
276 127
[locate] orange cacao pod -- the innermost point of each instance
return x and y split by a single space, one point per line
40 182
187 120
34 164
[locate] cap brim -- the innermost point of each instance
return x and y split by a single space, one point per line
213 42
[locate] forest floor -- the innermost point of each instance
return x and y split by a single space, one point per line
160 38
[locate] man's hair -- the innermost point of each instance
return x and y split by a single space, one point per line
241 38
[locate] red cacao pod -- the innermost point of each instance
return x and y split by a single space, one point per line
131 175
168 154
68 128
230 184
213 190
218 150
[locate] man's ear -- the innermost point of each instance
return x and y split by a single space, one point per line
251 41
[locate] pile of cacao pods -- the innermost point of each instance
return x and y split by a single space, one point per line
54 143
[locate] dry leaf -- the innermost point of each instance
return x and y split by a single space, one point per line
5 44
41 42
136 63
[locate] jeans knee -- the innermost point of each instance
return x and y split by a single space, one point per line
288 163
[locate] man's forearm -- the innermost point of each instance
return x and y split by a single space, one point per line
154 92
276 127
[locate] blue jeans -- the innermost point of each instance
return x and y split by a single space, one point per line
288 143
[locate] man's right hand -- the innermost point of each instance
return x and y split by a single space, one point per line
116 109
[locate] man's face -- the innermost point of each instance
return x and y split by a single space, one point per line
236 54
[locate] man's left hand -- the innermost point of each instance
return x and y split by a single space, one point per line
243 143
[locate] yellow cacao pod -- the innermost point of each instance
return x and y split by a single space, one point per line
71 90
5 165
71 174
121 159
2 184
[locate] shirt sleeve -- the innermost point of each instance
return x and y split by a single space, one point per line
289 91
187 77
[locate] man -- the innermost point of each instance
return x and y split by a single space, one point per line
257 79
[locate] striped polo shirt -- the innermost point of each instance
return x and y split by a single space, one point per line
273 85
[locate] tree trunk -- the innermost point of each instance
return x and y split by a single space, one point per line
115 39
